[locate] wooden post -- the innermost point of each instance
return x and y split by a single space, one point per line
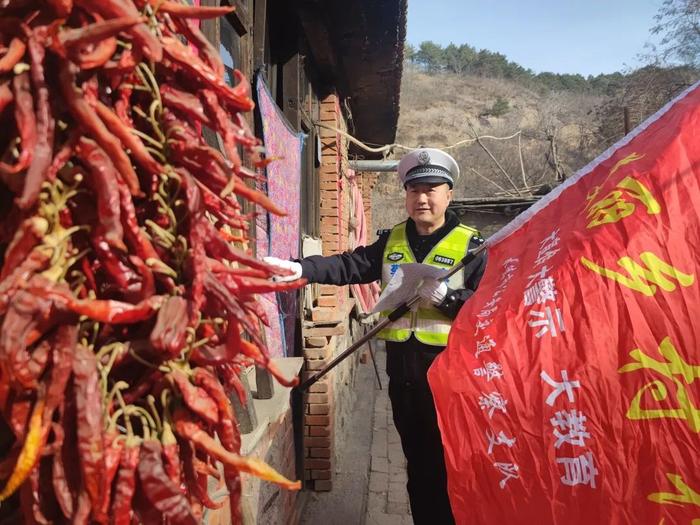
626 116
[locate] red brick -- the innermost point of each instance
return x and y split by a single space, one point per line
319 387
320 452
324 314
320 474
319 410
337 329
328 289
315 364
315 342
328 300
320 442
322 421
316 353
319 431
318 398
323 485
317 464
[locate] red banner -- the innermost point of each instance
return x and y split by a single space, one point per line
569 391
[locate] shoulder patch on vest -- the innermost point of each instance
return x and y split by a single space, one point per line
444 260
395 256
382 232
477 240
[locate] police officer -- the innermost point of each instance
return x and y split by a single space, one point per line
432 235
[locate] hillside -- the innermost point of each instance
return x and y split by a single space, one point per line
559 131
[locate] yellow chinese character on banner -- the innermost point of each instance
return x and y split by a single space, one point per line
614 206
684 496
645 280
673 367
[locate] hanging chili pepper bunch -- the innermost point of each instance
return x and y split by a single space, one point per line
127 304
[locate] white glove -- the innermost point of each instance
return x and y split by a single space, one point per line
285 265
433 291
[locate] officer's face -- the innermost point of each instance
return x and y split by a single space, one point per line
426 203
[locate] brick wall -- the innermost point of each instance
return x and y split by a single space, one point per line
328 331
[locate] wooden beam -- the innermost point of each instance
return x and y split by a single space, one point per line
290 90
319 39
259 33
240 19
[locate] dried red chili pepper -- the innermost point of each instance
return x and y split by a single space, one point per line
24 313
188 11
105 185
62 490
185 103
96 32
189 430
43 150
171 453
186 60
195 398
192 477
6 96
26 123
126 482
162 493
88 402
61 7
105 311
210 55
144 39
169 333
14 54
28 235
112 453
128 139
86 117
227 430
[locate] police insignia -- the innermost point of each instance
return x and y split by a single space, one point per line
395 256
449 261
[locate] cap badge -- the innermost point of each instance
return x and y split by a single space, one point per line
424 157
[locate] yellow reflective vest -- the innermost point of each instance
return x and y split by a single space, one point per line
429 325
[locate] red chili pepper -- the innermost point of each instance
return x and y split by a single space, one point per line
86 116
104 311
88 401
97 32
171 454
185 59
26 123
63 155
185 103
128 139
126 482
27 236
226 429
145 40
112 453
82 509
187 429
62 492
192 477
105 186
62 8
14 54
24 313
187 11
160 492
169 333
14 278
6 96
45 123
195 398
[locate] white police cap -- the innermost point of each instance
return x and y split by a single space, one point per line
428 165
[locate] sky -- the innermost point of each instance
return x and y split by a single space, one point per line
565 36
